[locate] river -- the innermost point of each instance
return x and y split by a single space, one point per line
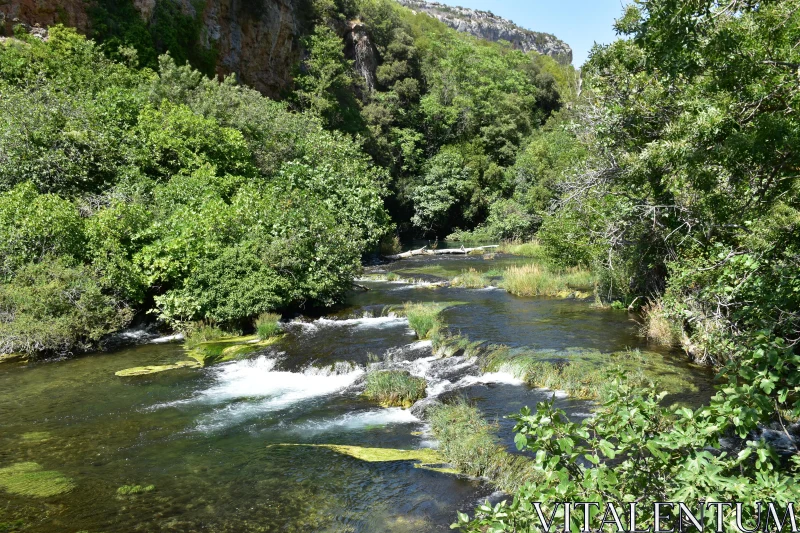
226 448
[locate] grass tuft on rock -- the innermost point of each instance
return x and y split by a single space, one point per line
394 388
200 332
30 479
268 325
471 279
423 318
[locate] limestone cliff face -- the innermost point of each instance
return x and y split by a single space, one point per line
486 25
255 39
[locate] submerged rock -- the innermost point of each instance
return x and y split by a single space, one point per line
228 349
155 369
421 408
426 458
30 479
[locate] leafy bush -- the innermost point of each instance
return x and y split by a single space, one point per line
611 457
56 307
268 325
395 388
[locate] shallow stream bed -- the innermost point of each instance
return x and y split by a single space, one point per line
234 447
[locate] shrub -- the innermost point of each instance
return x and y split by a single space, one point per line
395 388
268 325
56 307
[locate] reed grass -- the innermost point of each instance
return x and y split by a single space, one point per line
469 443
268 325
200 332
539 280
523 249
422 318
471 279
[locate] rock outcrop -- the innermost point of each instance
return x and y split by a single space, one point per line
258 40
486 25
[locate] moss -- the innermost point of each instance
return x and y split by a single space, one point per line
426 458
228 349
395 388
155 369
130 490
14 525
35 436
12 358
29 479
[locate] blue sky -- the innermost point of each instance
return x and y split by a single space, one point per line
580 23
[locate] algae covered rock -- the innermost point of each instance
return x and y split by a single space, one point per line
228 349
155 369
30 479
131 490
34 437
425 458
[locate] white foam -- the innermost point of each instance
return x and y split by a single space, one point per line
265 389
168 338
358 420
364 322
503 378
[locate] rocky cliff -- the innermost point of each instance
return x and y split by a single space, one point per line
486 25
258 40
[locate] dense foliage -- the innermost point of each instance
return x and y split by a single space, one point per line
685 194
167 191
447 114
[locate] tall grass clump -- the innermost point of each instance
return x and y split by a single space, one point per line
471 279
395 388
657 327
523 249
423 319
538 280
468 442
200 332
268 325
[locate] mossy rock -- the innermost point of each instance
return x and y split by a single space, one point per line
425 458
228 349
34 437
132 490
29 479
13 358
155 369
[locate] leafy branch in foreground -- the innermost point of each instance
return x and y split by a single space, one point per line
635 450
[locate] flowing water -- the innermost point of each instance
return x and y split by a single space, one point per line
230 448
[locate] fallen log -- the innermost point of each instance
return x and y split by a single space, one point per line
445 251
408 254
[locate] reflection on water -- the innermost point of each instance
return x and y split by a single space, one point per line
207 438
